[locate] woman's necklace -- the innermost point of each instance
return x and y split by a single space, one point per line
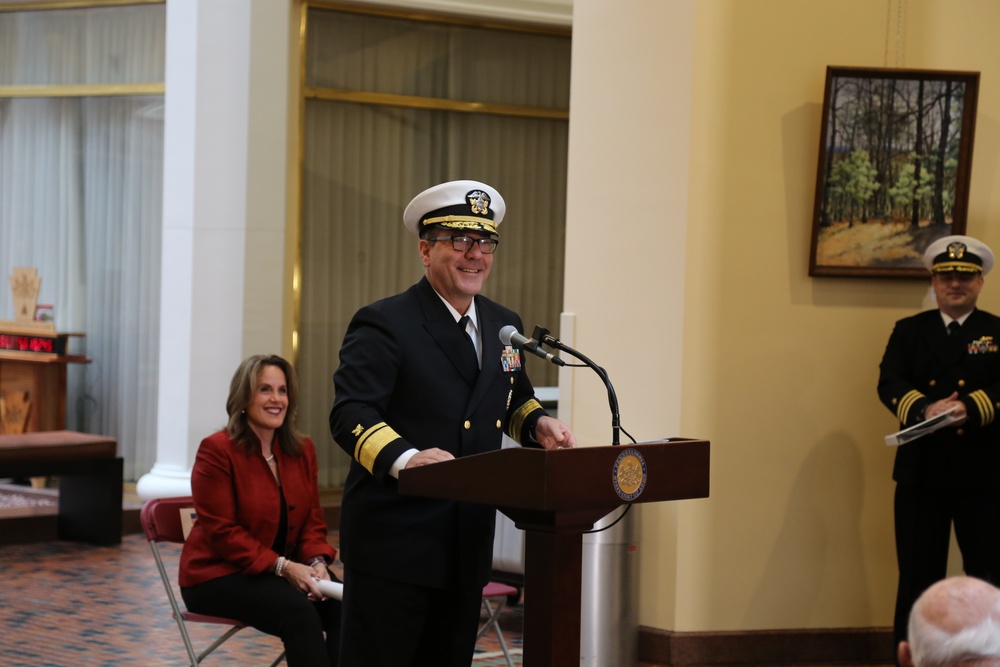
273 465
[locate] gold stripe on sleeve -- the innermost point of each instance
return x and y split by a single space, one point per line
985 405
905 403
516 423
372 441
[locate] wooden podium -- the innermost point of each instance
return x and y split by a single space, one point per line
555 496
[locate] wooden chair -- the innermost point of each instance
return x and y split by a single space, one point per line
161 522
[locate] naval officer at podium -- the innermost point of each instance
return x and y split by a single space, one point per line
423 378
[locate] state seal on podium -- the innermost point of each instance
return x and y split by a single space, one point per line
629 474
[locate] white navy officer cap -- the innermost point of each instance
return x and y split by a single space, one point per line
958 253
457 206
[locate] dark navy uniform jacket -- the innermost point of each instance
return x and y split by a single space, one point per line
923 364
407 380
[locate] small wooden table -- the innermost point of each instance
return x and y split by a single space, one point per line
90 479
43 378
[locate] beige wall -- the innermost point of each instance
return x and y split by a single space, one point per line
703 312
627 212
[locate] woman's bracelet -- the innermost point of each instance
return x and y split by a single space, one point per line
279 566
318 559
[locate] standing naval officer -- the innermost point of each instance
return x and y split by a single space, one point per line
938 360
423 378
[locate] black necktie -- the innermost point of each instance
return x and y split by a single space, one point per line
953 326
463 324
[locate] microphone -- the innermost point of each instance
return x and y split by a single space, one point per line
543 335
509 335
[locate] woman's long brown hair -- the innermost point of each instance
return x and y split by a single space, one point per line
245 383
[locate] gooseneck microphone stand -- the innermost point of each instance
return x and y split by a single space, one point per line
542 336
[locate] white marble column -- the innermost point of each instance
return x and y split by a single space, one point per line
209 137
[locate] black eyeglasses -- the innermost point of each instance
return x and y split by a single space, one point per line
464 243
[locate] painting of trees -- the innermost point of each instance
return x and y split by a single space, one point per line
895 155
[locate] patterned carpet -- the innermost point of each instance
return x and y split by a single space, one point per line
496 659
14 499
64 604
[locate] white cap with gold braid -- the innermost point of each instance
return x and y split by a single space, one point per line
958 253
458 206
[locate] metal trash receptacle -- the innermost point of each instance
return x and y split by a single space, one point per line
609 623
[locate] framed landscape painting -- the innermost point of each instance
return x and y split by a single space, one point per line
894 161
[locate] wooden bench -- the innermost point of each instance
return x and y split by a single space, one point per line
90 479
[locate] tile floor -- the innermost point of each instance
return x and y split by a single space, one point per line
65 604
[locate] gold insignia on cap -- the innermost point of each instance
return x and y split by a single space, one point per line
479 201
460 222
956 250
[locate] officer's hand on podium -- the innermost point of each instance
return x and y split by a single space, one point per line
428 456
553 434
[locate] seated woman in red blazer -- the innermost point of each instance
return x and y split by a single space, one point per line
259 545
